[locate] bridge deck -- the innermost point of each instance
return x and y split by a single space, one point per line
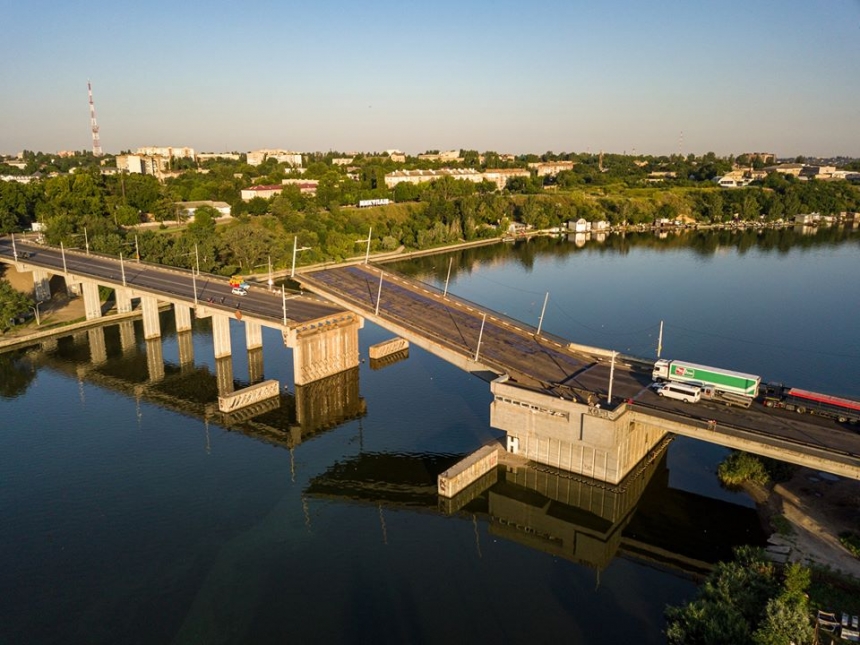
546 363
506 346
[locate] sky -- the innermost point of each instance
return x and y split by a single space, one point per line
619 76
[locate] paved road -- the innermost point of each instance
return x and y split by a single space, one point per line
172 282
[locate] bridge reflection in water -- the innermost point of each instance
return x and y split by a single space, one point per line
585 521
116 357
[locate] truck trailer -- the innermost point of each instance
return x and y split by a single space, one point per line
776 395
727 386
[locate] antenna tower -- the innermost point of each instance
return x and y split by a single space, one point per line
97 147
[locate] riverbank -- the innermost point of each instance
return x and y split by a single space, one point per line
807 514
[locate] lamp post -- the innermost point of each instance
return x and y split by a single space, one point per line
63 252
14 249
86 239
367 252
296 250
136 249
542 312
122 269
36 312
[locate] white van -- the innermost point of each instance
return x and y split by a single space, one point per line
681 391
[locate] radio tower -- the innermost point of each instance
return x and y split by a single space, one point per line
97 147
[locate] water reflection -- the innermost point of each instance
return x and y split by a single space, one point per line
585 521
116 357
704 242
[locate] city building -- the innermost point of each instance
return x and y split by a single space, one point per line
306 186
168 152
500 176
551 168
207 156
448 155
265 192
256 157
422 176
189 208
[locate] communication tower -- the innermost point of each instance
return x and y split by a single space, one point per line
97 147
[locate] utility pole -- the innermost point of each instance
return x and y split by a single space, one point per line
542 311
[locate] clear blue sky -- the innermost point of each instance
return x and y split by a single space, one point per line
732 76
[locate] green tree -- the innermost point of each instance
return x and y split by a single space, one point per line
13 304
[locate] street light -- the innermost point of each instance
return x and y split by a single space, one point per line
366 253
86 239
63 251
14 249
296 250
36 312
271 279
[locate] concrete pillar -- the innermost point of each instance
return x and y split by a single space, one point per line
255 365
98 348
324 347
41 284
126 336
221 335
92 302
151 323
224 375
183 316
122 295
185 342
253 334
155 360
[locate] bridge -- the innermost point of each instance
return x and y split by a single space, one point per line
580 409
323 337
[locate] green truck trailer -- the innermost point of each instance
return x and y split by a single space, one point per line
732 387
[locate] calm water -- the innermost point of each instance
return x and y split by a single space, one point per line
129 519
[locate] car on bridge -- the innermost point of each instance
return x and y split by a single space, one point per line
239 291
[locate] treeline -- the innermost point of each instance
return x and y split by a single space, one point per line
88 208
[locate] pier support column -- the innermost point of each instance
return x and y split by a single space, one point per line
324 347
126 336
151 323
224 375
41 284
98 348
221 335
92 302
155 360
185 341
255 365
183 316
122 295
253 334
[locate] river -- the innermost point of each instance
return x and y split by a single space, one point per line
130 518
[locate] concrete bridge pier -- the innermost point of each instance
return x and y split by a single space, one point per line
598 443
126 336
183 316
41 284
221 335
324 347
253 334
151 323
155 359
98 348
122 296
92 301
224 375
185 344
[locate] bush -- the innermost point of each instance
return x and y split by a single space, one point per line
851 541
741 467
